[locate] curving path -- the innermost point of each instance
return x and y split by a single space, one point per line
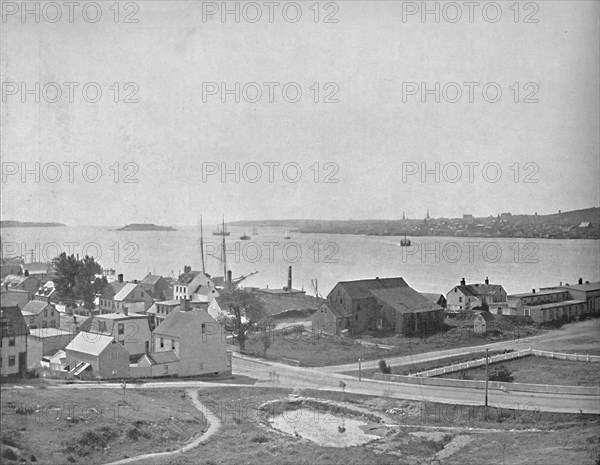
213 425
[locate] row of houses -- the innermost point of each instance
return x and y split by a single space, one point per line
391 305
132 331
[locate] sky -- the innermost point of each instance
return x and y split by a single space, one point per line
355 142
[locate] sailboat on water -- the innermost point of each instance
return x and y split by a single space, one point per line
223 231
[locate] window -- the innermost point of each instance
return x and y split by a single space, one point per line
166 369
53 324
11 361
121 328
44 324
162 342
460 299
203 328
51 312
11 341
45 312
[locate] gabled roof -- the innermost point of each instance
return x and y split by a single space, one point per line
587 287
405 300
480 289
339 312
361 289
157 358
151 279
433 297
90 343
42 333
15 280
127 289
185 324
35 307
12 322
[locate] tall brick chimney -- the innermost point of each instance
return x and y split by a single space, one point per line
120 277
463 282
487 280
289 286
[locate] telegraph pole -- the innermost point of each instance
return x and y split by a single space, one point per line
487 377
359 369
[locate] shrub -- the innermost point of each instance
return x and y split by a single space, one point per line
260 439
501 374
384 367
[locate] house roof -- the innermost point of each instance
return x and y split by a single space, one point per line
15 280
38 267
480 289
556 304
157 358
187 323
540 292
151 279
35 307
127 289
405 300
170 303
104 324
361 289
587 287
340 312
12 322
42 333
432 296
90 343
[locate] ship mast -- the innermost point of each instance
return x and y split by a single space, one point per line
224 254
202 246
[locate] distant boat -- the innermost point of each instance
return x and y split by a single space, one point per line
245 237
405 242
221 232
287 234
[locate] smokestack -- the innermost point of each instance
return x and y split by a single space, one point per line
580 280
463 282
289 278
147 347
487 280
120 277
229 278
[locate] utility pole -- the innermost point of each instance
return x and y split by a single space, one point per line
487 377
359 369
224 255
202 246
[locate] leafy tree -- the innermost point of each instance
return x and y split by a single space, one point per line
384 367
501 374
78 279
244 312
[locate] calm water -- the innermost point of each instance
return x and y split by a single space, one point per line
431 264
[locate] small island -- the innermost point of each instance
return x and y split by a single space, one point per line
145 227
29 224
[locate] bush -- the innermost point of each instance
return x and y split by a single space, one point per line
501 374
384 367
260 439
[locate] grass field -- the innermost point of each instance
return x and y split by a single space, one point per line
543 370
422 431
93 426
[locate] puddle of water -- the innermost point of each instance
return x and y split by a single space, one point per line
322 427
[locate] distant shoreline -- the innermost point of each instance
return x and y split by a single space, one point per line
29 224
145 227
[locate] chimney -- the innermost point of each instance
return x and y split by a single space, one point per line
533 291
26 273
580 280
120 277
229 278
147 348
74 319
125 311
135 281
463 282
289 278
487 280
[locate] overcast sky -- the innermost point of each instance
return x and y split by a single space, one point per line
372 139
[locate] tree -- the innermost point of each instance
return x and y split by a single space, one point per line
244 311
384 367
78 279
501 374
